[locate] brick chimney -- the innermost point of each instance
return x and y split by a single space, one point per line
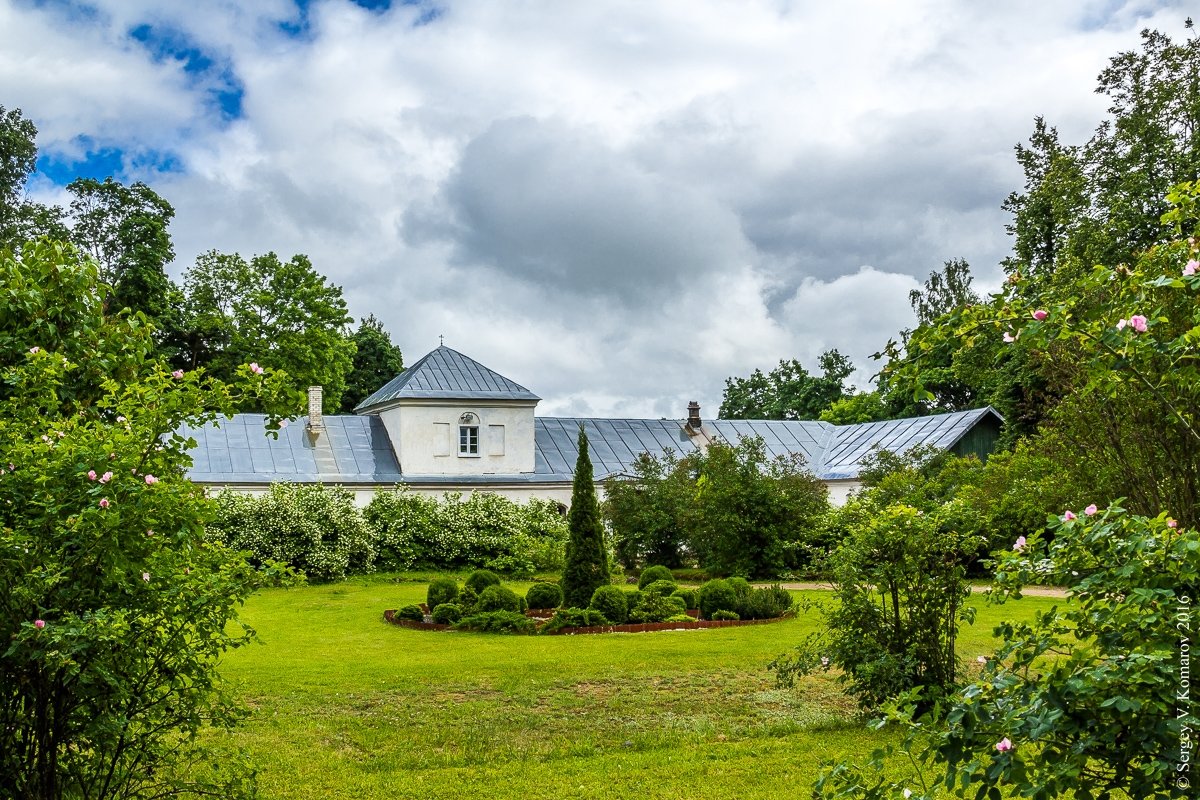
316 422
694 422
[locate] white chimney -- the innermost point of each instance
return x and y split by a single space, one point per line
315 398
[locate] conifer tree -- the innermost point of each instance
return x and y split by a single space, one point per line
587 564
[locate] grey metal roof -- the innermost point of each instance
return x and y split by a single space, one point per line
446 374
356 449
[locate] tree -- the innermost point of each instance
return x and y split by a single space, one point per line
856 409
788 391
376 361
283 315
645 510
587 561
116 608
21 219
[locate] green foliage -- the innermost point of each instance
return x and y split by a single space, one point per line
740 586
900 584
497 598
21 219
688 596
497 622
467 598
587 562
481 579
632 597
480 530
544 595
657 608
115 609
856 409
441 590
1105 716
316 529
280 314
412 613
660 588
716 595
767 603
788 391
655 573
575 618
446 613
376 361
645 511
612 602
718 616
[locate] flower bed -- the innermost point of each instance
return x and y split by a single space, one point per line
642 627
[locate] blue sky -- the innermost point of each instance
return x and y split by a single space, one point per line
618 204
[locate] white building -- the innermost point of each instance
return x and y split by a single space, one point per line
450 424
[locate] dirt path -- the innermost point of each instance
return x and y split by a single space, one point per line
1030 591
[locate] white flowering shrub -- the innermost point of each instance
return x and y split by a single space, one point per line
314 528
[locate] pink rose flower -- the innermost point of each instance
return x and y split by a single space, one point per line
106 477
91 474
1191 267
1091 510
1138 323
34 350
1171 523
104 502
1019 544
1040 315
255 368
151 480
39 623
177 374
1068 516
1121 323
1004 745
1009 338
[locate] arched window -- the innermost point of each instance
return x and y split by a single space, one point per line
468 435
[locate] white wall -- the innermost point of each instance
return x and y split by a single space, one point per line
560 493
839 491
425 438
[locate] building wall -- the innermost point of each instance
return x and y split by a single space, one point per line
425 438
559 493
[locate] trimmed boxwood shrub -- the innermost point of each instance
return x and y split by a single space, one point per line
716 595
730 615
610 601
766 603
657 608
656 573
660 588
412 612
544 595
497 622
632 598
688 596
574 618
467 598
498 598
447 614
441 590
480 579
741 587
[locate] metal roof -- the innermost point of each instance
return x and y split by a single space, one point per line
446 374
357 450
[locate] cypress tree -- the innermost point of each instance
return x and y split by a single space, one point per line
587 564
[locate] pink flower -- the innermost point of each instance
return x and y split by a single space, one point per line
177 374
1040 315
91 474
34 350
149 532
1004 745
106 477
1009 338
1019 544
1171 523
1191 267
146 577
1091 510
981 659
104 502
1068 515
1121 323
1138 323
120 419
255 368
39 623
151 480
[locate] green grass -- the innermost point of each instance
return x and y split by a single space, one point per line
347 706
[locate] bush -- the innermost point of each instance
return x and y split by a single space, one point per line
724 615
660 588
480 579
716 595
767 603
633 598
741 587
467 599
656 573
574 618
688 596
497 622
610 601
498 598
412 612
441 590
657 608
544 595
447 614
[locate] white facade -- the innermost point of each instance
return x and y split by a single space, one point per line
428 437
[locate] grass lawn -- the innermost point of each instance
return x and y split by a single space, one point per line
347 706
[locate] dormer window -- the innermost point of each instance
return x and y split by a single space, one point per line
468 435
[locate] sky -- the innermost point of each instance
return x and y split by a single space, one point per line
616 204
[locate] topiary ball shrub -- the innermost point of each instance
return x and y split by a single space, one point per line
660 588
441 590
574 618
498 598
497 622
716 595
741 587
610 601
544 595
446 614
726 615
688 596
412 612
656 573
480 579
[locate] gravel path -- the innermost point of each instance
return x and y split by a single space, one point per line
1030 591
